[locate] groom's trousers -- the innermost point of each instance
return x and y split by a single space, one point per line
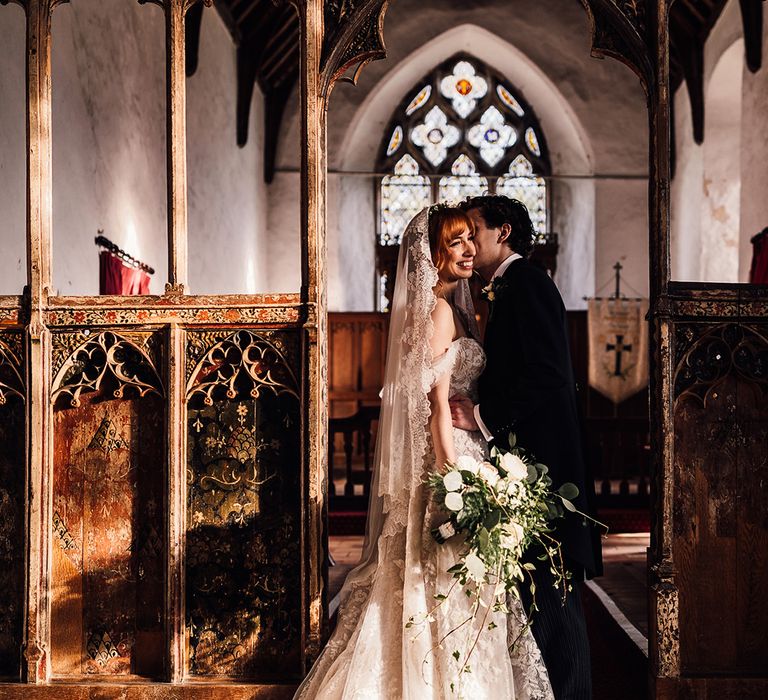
561 633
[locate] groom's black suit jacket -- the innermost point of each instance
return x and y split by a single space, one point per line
528 388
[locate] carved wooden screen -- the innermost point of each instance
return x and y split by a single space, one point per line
109 506
12 540
164 454
708 614
721 399
243 517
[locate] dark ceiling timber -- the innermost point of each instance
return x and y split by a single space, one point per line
266 34
690 23
267 40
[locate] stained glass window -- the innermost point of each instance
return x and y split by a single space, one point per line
463 87
508 99
492 136
530 189
403 195
463 130
435 136
395 140
532 141
421 97
463 182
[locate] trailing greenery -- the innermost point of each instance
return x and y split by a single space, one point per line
502 508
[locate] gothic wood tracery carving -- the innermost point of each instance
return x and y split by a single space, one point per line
354 36
243 516
244 359
719 518
11 381
618 31
106 354
706 356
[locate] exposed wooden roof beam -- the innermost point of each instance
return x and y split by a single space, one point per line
247 11
692 10
277 58
192 24
752 20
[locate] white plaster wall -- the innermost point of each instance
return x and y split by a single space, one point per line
592 112
686 195
284 226
352 249
108 82
710 239
572 202
13 167
622 220
754 160
226 189
722 169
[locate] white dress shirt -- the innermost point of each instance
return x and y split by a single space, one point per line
500 270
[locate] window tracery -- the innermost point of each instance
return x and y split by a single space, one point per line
462 131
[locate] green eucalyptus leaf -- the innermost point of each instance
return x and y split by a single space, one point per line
492 519
483 537
569 506
512 439
568 490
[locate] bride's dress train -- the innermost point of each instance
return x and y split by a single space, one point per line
372 655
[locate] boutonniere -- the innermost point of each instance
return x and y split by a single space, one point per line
493 290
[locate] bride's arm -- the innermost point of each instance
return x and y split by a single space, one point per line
440 424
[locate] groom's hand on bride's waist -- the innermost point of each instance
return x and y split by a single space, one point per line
463 412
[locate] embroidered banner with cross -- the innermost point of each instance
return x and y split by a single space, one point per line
618 347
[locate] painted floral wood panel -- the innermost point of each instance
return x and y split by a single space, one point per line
12 417
243 583
109 495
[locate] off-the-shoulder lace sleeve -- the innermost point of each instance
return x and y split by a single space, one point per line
442 365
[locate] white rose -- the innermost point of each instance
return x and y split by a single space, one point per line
489 474
475 567
514 466
467 464
513 535
452 481
454 501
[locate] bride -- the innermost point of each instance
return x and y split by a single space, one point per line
434 351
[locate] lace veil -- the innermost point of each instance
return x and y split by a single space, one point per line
403 446
392 549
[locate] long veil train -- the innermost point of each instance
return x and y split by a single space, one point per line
371 654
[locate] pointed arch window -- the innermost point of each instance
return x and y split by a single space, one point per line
462 131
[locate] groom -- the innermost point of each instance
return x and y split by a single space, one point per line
528 388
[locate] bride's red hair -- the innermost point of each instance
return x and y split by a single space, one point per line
445 223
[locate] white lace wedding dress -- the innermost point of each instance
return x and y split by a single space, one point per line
373 655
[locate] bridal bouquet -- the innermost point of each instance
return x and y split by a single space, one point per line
503 507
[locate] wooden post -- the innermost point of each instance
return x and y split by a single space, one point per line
176 139
38 434
314 296
664 649
177 502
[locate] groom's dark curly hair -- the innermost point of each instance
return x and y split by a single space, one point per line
498 210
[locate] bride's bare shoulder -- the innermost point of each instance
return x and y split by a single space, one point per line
444 327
